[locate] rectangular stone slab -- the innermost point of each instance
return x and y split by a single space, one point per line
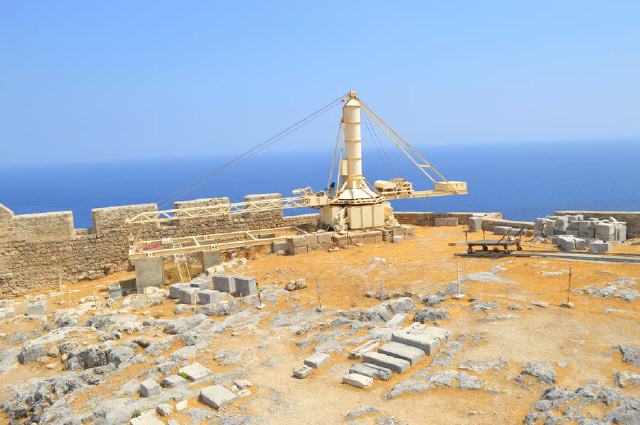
149 272
357 380
302 371
376 372
393 363
426 343
245 285
224 283
175 290
384 374
402 351
316 360
208 296
216 396
189 295
194 371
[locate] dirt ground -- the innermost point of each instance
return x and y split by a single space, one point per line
577 342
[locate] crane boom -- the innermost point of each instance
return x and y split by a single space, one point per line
307 200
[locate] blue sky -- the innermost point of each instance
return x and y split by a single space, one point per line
85 81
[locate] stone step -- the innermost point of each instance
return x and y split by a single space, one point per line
372 371
357 352
402 351
357 380
426 339
393 363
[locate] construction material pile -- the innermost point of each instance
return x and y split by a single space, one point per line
573 232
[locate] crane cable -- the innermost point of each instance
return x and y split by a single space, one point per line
391 133
257 148
379 146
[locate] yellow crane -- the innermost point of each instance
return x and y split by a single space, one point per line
349 202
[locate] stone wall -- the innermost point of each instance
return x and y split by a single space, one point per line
428 218
321 240
632 218
489 224
37 250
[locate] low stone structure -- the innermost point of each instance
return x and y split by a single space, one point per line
39 250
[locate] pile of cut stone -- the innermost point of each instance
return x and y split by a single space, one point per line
573 232
407 347
208 289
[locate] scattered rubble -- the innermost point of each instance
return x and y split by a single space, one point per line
361 411
620 288
560 405
294 285
543 372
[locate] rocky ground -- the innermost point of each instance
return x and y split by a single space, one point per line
512 353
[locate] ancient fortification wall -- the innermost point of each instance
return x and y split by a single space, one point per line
37 250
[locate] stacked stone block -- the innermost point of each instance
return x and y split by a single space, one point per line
574 232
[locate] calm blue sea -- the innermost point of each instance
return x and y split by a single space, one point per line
522 180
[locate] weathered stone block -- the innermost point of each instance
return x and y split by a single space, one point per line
446 221
149 272
302 371
475 224
224 283
324 237
393 363
194 372
176 289
371 371
208 296
172 381
245 286
201 283
599 247
426 341
115 291
549 228
37 308
297 250
216 396
30 351
317 360
149 388
502 230
560 224
357 380
402 351
605 231
621 232
189 295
